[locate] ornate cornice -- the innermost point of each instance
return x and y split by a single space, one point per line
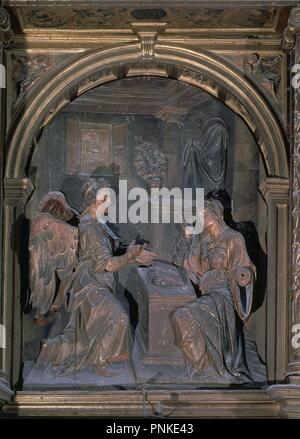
294 365
273 187
17 189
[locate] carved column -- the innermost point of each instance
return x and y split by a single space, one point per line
2 119
294 363
6 39
288 394
16 193
276 194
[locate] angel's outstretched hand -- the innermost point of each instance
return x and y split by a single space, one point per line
146 257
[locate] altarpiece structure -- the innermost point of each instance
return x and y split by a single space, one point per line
168 94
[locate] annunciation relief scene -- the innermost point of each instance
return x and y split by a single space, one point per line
120 303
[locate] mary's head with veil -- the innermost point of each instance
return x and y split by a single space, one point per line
213 216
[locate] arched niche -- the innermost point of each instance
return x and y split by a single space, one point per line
205 70
62 84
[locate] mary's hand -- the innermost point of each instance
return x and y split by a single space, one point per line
135 250
243 276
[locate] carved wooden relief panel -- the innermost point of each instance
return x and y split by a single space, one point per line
164 96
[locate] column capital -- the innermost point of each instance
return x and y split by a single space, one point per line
17 189
274 188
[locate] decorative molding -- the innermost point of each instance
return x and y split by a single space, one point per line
45 17
73 18
56 108
232 102
140 403
147 34
147 43
274 188
198 77
5 27
16 189
144 68
96 79
288 398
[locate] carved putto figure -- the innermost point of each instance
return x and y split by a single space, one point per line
261 69
97 330
210 329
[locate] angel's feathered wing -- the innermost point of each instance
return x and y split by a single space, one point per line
53 249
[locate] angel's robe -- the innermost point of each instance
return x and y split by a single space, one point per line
97 330
214 340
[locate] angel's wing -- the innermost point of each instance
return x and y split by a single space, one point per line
53 249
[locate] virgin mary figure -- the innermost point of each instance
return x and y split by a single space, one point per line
210 330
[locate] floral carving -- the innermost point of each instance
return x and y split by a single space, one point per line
147 66
74 18
93 18
208 18
94 78
199 77
296 212
150 162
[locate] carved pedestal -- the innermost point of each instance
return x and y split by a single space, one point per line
160 290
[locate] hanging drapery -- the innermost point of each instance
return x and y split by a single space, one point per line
204 159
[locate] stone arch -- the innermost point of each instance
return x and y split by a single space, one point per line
85 71
82 72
